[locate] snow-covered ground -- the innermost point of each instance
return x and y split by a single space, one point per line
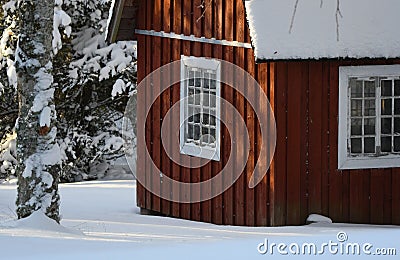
101 221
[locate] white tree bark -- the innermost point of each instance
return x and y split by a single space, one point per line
38 152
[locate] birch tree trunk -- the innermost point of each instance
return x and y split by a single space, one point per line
38 152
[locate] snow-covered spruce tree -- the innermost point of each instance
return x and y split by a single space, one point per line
94 82
8 86
37 150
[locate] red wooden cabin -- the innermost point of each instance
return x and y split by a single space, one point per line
334 90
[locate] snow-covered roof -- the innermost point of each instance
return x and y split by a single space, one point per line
362 28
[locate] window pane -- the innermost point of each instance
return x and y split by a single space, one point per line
369 107
397 87
386 107
397 106
397 125
190 114
204 136
203 140
356 88
213 100
212 111
369 145
213 81
191 78
198 79
206 80
356 127
355 145
206 118
386 86
211 138
397 144
197 97
196 117
190 131
386 126
356 107
212 120
196 132
191 96
212 133
369 126
386 144
369 88
206 101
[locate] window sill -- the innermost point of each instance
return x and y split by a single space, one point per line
202 152
389 161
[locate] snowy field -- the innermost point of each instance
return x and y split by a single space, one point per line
100 221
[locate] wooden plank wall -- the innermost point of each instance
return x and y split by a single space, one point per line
303 178
305 163
218 19
127 21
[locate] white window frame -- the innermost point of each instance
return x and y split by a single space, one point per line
207 152
345 161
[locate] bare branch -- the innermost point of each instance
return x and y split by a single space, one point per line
293 16
205 6
322 3
11 112
338 13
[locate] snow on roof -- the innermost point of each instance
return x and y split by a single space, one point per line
366 28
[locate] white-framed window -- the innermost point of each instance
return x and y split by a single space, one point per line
200 107
369 117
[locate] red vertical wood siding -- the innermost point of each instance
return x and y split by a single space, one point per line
240 185
206 173
149 120
217 17
303 177
166 101
238 205
227 94
306 179
141 99
280 170
176 52
196 49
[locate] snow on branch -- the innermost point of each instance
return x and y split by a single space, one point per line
61 19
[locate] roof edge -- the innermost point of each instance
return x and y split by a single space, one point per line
115 19
345 59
